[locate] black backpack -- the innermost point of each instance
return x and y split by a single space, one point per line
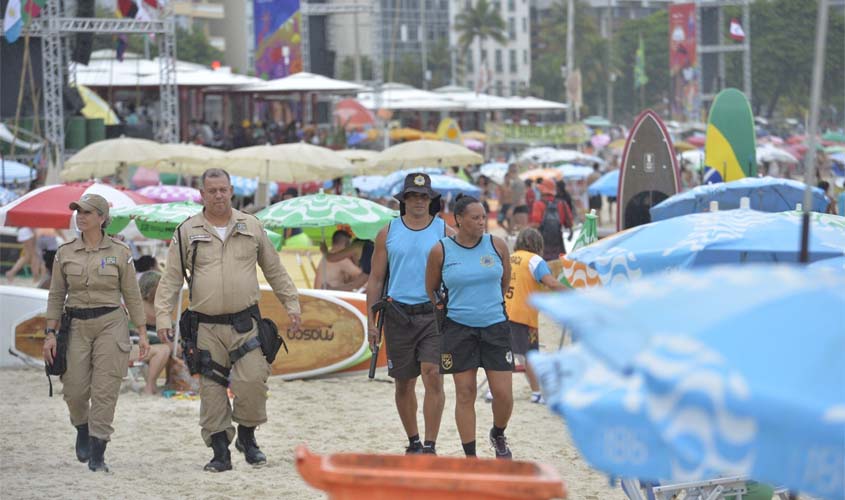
551 228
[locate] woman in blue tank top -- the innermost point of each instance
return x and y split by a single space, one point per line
473 269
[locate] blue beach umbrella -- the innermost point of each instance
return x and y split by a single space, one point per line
689 376
606 185
246 186
7 196
574 172
767 194
448 187
12 172
711 238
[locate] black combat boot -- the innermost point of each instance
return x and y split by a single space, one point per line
98 448
246 444
83 447
222 460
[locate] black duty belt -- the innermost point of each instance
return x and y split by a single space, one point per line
94 312
227 319
413 309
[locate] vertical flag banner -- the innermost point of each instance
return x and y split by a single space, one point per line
683 64
13 21
640 76
278 41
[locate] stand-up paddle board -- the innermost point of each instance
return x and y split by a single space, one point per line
361 365
649 172
730 150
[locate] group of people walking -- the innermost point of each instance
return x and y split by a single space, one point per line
442 293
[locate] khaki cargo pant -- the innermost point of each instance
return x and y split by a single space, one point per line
248 382
97 361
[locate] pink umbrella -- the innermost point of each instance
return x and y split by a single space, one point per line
599 141
145 177
474 144
167 194
697 140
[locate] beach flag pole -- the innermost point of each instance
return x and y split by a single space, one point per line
815 99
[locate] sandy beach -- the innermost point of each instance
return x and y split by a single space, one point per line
156 450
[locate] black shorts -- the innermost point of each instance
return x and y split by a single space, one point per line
524 338
410 343
465 348
595 202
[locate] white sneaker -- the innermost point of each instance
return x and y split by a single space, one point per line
538 398
488 397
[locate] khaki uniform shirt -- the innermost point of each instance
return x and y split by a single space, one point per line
98 277
224 280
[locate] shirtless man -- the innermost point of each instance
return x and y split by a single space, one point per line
342 275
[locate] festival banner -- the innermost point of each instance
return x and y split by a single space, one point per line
502 133
278 42
683 63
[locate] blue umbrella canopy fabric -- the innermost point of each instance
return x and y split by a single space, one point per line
767 194
7 196
447 187
706 239
247 186
606 185
12 172
692 375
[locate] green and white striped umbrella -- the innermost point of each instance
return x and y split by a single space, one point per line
364 217
158 221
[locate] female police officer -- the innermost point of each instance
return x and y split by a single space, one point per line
90 275
475 270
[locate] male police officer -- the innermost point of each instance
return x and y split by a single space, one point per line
222 246
413 343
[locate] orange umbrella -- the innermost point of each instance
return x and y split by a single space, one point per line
545 173
405 134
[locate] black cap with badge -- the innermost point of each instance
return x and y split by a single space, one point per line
419 182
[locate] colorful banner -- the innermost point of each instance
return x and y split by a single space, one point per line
278 47
498 133
683 63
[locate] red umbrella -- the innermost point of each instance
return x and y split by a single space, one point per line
696 140
351 114
48 206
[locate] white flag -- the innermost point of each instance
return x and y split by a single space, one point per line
736 30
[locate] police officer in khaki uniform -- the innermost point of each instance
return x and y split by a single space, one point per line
90 275
226 244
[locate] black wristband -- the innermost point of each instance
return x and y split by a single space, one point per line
48 331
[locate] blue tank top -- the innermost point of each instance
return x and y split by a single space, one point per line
407 256
473 280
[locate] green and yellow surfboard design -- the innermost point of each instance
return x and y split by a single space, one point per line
731 140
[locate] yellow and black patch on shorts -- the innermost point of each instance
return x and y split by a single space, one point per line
446 361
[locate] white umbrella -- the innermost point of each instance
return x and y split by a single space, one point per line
186 159
285 163
103 158
767 153
423 153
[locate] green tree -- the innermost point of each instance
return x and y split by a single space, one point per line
480 22
347 68
439 63
783 35
654 30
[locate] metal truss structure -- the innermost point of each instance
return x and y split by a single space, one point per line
322 9
55 30
722 49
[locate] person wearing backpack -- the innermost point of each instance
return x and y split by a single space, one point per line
550 215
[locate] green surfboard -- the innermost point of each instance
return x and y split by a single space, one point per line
731 140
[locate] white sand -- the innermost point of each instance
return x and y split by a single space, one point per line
156 450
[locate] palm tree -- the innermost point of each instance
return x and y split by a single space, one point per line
480 22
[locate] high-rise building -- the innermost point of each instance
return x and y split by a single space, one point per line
490 67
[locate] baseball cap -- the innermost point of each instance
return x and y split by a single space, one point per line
91 202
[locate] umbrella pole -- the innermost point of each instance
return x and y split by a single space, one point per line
815 98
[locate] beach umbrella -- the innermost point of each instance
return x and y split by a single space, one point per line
494 171
834 264
7 196
447 186
574 172
682 146
838 158
600 140
187 159
617 144
321 210
167 194
245 186
423 153
144 177
47 206
707 239
606 185
103 158
697 140
96 107
294 162
12 172
380 186
834 137
473 144
597 121
355 156
767 153
766 194
543 173
679 378
159 221
834 149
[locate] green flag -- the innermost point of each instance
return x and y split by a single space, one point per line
640 78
